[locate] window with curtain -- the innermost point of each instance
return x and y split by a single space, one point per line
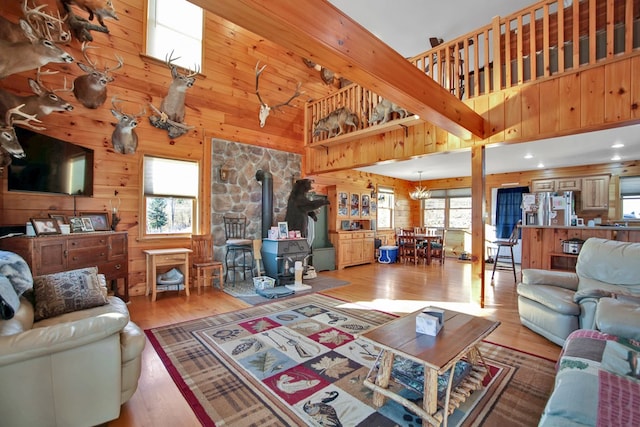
175 25
386 203
630 194
508 210
171 203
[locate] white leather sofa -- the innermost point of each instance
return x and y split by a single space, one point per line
556 303
75 369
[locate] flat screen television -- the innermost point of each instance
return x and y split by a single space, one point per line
51 165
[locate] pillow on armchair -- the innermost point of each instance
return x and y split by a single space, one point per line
68 291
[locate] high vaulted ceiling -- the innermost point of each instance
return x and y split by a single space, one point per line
406 26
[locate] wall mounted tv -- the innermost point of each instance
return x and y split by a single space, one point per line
51 166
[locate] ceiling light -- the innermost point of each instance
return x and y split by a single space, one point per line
617 145
540 165
528 156
616 157
420 192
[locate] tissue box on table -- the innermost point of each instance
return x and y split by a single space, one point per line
430 321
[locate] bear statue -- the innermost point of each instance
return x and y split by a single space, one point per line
300 208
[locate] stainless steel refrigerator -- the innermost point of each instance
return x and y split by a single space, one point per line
548 208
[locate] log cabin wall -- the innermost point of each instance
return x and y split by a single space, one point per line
221 104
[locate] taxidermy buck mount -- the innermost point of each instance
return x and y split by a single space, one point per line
81 27
171 112
41 22
36 51
9 144
264 108
44 101
124 138
91 88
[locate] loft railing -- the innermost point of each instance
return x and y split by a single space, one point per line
545 39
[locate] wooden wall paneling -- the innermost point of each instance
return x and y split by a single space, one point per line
592 89
530 97
634 100
512 114
549 111
617 98
496 116
569 105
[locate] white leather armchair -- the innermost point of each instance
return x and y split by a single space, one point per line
75 369
555 303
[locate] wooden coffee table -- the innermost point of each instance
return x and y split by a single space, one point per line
458 339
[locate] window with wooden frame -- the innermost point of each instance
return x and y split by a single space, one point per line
175 26
170 196
386 203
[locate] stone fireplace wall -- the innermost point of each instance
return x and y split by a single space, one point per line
241 192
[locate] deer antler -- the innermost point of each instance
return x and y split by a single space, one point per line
49 73
115 102
258 72
43 22
85 47
295 95
163 118
10 121
168 59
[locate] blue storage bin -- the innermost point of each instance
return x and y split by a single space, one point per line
388 254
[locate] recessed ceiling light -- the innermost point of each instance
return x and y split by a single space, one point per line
616 158
528 156
617 145
540 165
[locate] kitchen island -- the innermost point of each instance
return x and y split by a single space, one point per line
542 245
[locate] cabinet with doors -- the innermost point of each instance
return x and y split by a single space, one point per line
352 213
593 190
52 254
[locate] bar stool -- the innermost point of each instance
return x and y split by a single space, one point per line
239 256
507 257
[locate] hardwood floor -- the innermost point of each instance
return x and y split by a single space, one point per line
389 287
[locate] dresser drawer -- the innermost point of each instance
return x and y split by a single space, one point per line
86 257
170 259
114 270
87 242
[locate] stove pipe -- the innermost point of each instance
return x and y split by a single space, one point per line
267 200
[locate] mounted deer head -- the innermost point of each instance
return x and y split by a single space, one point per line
264 108
172 110
26 55
91 88
44 101
8 139
124 138
43 24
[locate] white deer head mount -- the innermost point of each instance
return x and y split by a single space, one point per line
266 109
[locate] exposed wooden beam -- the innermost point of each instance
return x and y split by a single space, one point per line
316 30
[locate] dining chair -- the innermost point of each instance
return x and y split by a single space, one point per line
408 248
437 247
203 264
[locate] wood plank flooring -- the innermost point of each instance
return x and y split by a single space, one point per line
389 287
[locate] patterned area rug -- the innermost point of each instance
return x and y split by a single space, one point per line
247 292
294 361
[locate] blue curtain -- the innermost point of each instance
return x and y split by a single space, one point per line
508 210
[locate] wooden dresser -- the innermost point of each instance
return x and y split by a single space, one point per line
52 254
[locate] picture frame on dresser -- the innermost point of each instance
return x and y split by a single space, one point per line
99 220
76 224
87 224
45 226
61 219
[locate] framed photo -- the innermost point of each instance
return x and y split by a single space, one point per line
87 225
283 230
76 224
60 218
44 226
100 220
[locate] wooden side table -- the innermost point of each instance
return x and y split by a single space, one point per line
166 257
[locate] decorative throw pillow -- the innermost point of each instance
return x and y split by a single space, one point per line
16 269
67 291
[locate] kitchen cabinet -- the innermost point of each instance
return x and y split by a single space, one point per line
353 247
52 254
595 193
559 184
541 185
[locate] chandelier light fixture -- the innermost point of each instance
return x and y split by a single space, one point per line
420 192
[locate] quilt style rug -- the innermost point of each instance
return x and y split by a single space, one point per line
299 362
